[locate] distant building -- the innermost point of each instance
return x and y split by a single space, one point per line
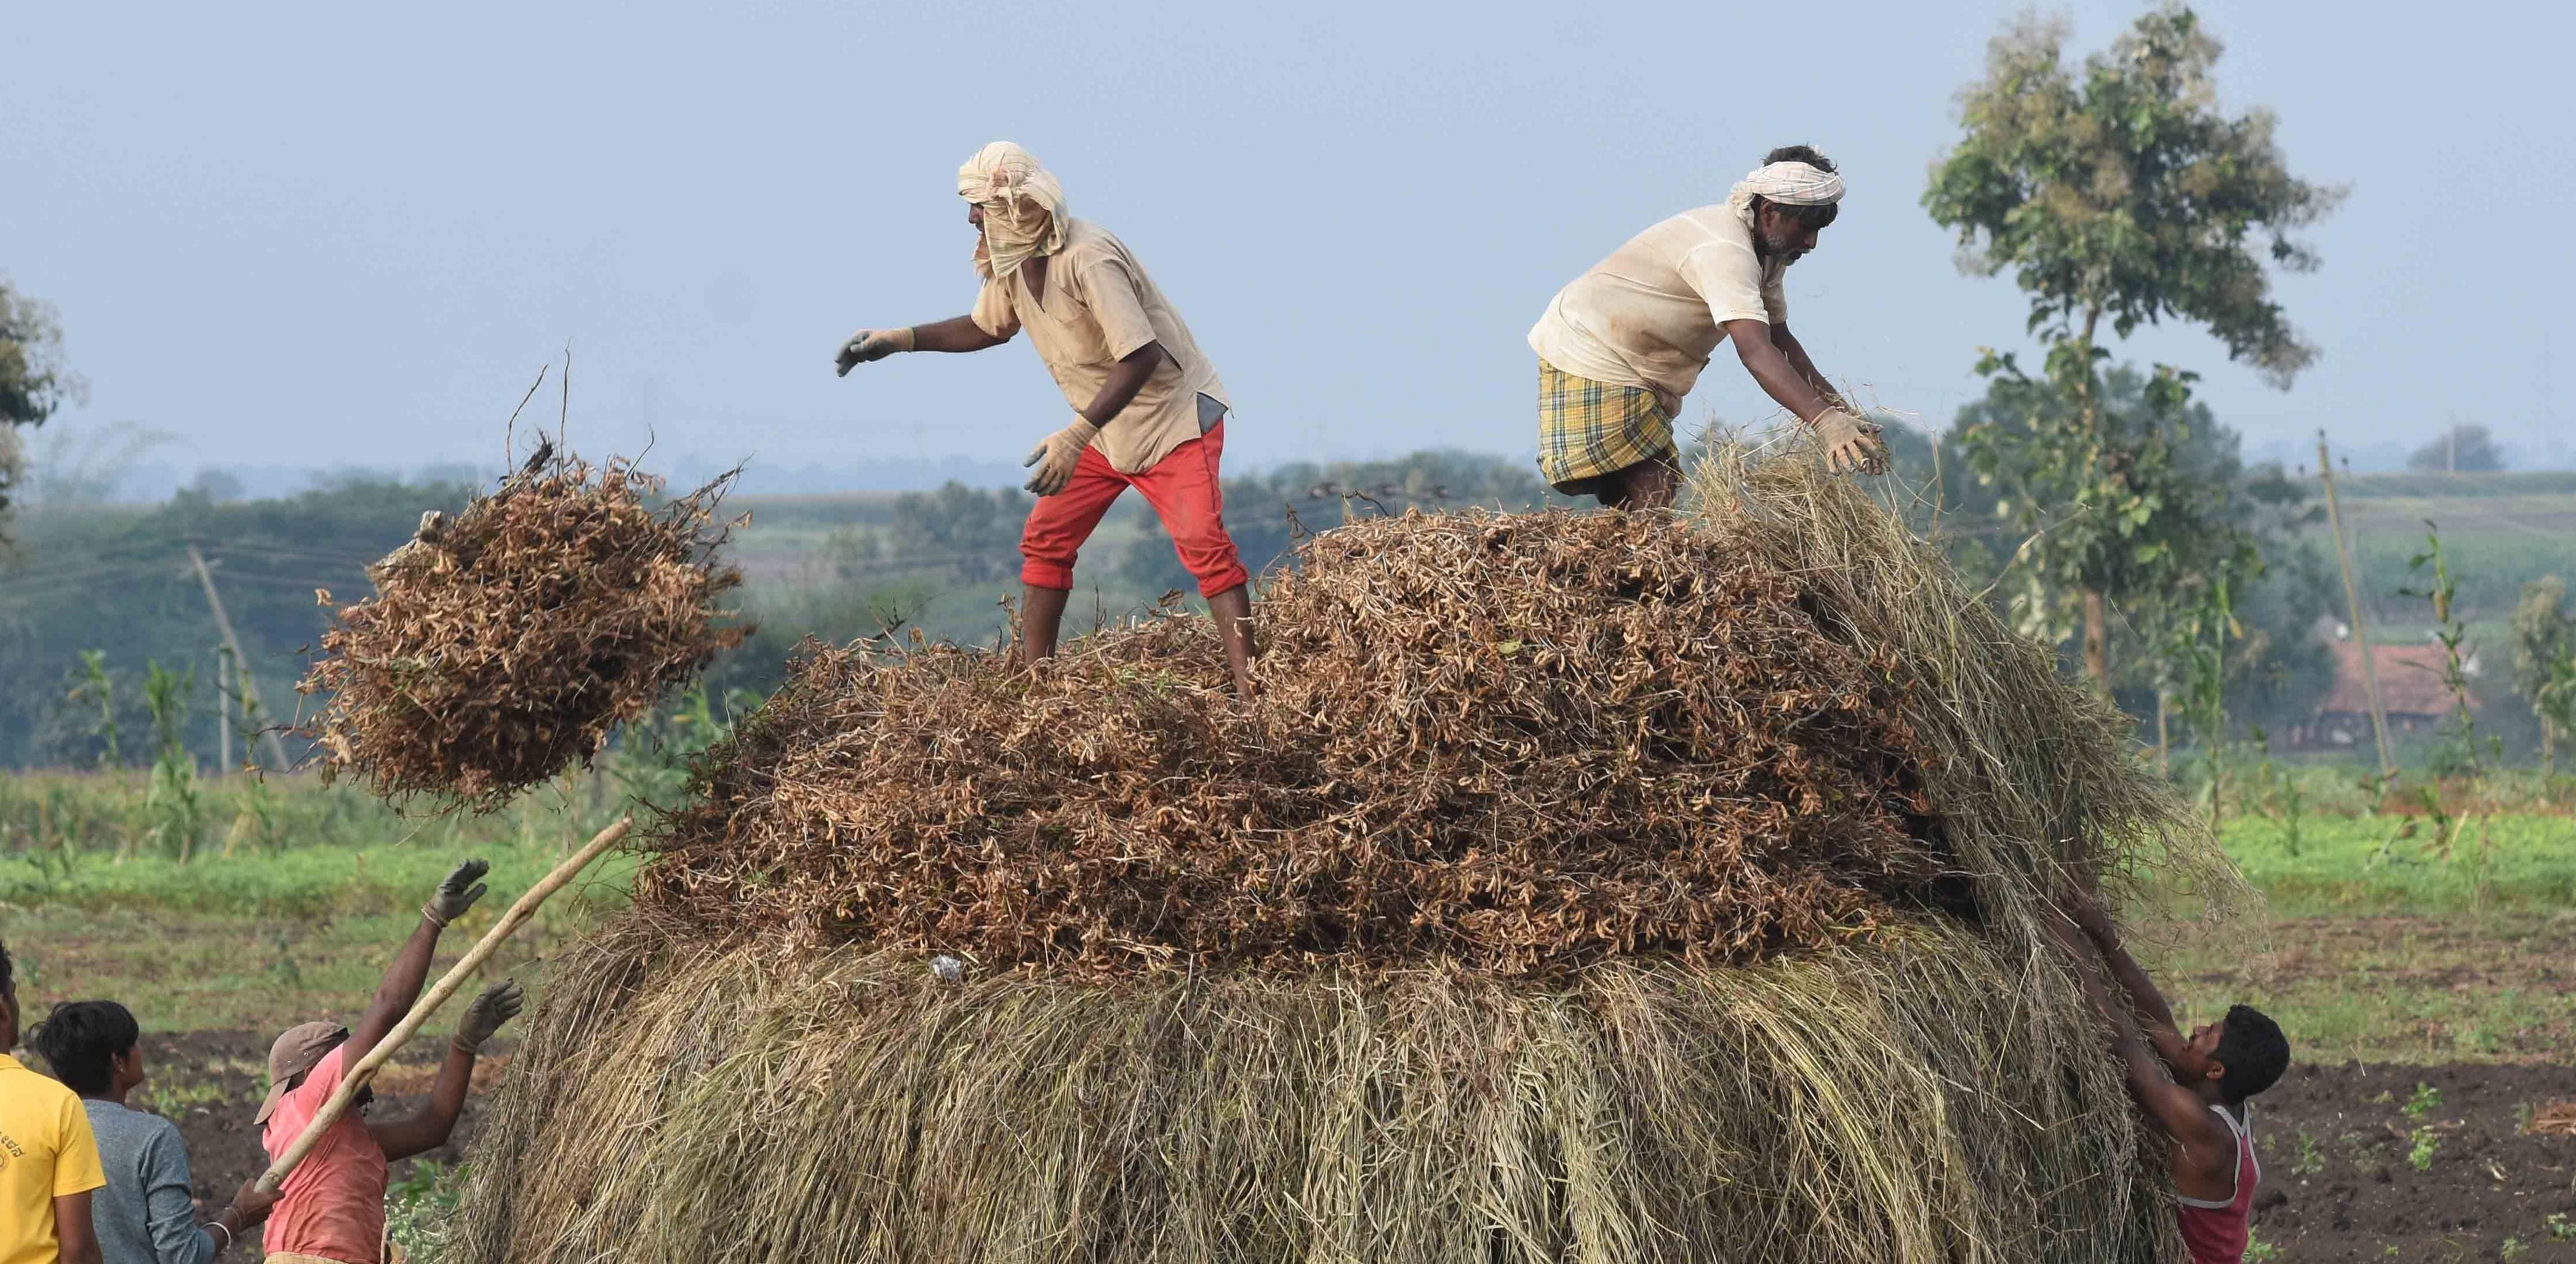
2410 688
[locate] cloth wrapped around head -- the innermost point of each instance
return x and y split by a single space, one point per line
1788 183
1023 205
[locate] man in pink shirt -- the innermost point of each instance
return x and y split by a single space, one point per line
332 1209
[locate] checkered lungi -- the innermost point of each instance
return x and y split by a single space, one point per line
1587 429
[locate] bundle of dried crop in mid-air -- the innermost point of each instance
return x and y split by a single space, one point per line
503 645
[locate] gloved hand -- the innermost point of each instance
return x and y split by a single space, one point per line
1056 456
870 344
457 894
1850 443
498 1004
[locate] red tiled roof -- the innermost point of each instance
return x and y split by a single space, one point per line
2410 681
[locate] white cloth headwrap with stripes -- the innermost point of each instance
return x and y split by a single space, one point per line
1023 205
1789 183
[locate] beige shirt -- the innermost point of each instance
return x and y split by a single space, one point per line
1099 308
1649 315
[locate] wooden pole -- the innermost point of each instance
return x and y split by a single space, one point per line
241 663
223 712
356 1077
2352 603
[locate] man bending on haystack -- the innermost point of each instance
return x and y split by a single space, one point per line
2196 1088
1620 347
332 1209
1149 412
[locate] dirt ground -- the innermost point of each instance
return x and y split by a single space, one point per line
2340 1151
2349 1173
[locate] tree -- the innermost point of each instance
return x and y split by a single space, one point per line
33 379
2123 192
2459 450
2147 500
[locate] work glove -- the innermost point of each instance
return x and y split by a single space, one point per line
498 1004
1056 457
870 344
1849 443
457 894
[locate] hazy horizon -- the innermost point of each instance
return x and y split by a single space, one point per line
331 238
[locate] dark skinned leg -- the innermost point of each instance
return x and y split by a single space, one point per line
1233 611
1649 485
1041 616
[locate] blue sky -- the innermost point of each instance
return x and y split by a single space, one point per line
348 235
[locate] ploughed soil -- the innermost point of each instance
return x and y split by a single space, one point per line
2351 1173
2348 1172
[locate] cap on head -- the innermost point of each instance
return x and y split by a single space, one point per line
295 1053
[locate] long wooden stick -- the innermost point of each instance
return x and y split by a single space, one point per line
356 1077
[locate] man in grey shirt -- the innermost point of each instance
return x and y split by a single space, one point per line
147 1213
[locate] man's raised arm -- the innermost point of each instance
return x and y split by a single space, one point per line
430 1129
410 969
2182 1113
2146 1001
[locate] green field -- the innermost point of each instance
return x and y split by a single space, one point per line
2371 943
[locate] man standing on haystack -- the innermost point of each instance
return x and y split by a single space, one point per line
1620 347
1149 412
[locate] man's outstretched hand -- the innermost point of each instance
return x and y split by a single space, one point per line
869 344
1850 443
457 894
498 1004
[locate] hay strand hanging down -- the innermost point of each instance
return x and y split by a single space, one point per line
503 646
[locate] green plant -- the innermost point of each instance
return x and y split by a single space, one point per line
2544 661
2282 797
2560 1228
418 1208
2419 1155
2459 753
2513 1249
96 683
2424 1101
2257 1249
173 1097
2311 1160
177 812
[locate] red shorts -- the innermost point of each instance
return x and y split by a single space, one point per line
1182 488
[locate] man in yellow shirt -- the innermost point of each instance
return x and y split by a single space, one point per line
48 1163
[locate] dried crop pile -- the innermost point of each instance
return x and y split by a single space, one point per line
503 646
1509 742
1580 888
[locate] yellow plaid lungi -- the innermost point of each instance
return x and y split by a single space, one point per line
1587 429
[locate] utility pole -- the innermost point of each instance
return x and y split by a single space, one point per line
223 711
2352 602
241 663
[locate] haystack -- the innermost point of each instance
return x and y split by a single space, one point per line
503 646
1581 887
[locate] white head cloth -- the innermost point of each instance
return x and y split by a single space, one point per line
1788 183
1023 205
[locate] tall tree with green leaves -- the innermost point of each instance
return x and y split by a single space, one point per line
33 379
2118 190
